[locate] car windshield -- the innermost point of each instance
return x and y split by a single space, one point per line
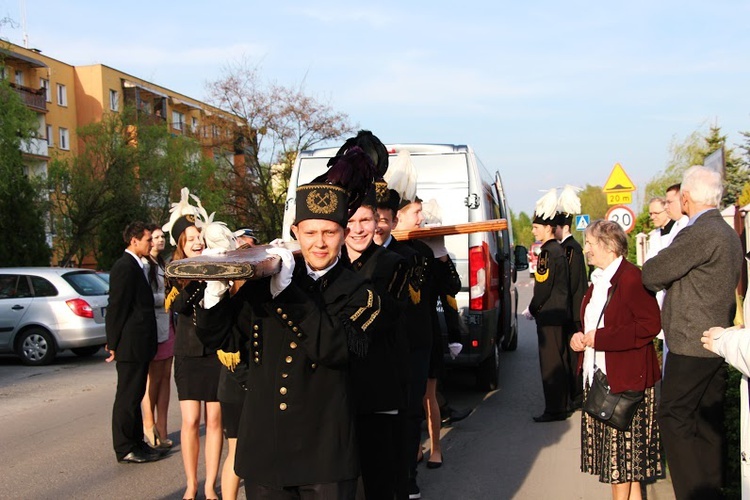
86 283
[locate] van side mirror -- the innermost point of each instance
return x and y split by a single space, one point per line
522 257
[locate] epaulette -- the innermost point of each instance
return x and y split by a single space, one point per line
542 267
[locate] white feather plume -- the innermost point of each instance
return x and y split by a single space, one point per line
546 206
180 208
215 234
569 203
401 176
433 214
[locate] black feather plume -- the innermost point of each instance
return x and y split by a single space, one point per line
371 145
353 171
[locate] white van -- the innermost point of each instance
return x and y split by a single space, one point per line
486 262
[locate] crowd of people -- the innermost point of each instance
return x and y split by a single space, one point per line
686 292
319 376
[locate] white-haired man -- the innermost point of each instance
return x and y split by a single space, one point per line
700 269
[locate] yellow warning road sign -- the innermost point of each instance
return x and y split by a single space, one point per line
618 181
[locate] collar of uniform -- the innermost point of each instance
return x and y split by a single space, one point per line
388 241
316 275
365 256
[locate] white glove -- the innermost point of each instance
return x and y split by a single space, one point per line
215 290
527 314
454 348
283 278
278 242
214 251
437 245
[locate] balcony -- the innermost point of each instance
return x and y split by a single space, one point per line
36 147
36 99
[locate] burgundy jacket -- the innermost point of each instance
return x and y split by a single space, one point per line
631 321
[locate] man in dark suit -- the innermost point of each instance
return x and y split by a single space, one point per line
131 342
699 270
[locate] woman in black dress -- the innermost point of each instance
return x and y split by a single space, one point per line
196 368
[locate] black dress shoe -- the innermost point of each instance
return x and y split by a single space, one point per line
550 417
434 465
137 457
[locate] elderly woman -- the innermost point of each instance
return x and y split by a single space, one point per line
620 320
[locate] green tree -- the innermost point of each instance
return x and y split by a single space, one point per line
22 207
522 229
593 202
127 169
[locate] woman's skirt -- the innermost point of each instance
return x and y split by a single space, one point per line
623 456
197 379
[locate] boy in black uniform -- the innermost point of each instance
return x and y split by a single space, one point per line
550 308
300 328
568 205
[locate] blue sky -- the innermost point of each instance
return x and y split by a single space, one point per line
549 93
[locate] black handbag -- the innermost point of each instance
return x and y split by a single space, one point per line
613 409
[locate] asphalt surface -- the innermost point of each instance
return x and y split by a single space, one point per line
55 437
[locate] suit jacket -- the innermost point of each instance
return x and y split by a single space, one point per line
297 422
631 322
130 322
699 270
577 277
550 305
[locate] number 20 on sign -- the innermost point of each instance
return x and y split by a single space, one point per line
619 198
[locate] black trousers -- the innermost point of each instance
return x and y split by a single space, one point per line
575 379
381 449
127 419
552 362
691 418
343 490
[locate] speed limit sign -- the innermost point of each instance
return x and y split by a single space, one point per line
623 215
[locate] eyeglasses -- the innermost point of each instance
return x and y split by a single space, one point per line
656 213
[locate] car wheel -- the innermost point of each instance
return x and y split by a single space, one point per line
36 347
487 371
86 351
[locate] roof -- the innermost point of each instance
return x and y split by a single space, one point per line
8 54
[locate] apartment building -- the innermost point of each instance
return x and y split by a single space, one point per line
66 97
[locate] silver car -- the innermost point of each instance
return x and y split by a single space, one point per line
44 310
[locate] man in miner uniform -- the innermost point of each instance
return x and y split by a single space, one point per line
550 308
299 329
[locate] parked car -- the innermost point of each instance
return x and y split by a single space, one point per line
44 310
487 262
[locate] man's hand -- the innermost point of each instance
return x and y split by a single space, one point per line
283 278
111 354
437 245
215 290
527 314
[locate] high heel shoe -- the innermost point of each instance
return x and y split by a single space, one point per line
164 443
150 435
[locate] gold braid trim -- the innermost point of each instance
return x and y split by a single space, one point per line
541 278
415 295
228 359
173 293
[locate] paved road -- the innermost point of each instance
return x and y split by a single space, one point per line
56 440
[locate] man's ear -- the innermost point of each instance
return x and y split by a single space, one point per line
295 231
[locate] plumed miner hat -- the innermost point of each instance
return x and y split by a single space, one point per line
546 208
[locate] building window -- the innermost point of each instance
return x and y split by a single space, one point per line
177 119
50 139
114 100
62 95
194 124
2 72
19 77
64 139
44 84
